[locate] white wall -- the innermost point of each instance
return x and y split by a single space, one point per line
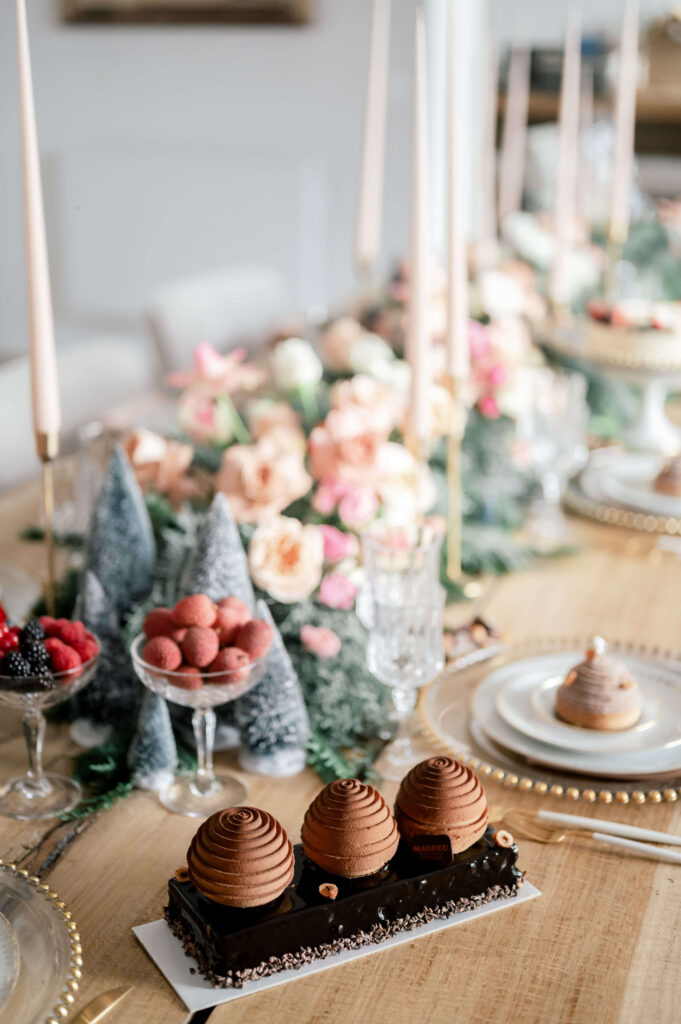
167 151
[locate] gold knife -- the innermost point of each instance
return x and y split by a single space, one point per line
100 1006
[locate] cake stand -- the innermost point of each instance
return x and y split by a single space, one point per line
656 373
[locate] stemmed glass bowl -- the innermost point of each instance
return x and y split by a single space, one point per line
41 794
204 792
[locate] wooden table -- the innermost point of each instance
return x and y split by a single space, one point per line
602 944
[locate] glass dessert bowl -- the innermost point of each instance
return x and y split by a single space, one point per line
204 792
41 794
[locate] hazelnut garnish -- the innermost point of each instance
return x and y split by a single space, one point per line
503 838
182 874
328 890
570 677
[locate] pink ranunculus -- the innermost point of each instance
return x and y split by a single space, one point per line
338 545
357 507
326 497
337 591
479 340
345 446
321 641
489 407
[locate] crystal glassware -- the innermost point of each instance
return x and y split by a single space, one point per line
203 792
40 794
552 430
405 648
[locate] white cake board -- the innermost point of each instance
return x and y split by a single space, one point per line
198 994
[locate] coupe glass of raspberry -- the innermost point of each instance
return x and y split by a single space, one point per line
209 676
38 671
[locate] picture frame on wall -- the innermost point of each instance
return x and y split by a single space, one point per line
244 12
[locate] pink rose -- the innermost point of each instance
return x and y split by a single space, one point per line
326 497
357 507
345 446
489 407
478 340
337 591
321 641
497 375
338 545
260 480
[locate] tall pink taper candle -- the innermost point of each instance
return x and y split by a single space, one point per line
458 355
370 198
568 155
44 383
625 123
418 340
514 134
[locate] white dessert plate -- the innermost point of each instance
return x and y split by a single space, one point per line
614 764
618 477
524 694
167 952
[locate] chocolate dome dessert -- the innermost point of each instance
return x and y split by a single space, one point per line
241 857
348 830
599 692
440 797
668 480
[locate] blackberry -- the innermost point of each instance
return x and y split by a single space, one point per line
15 665
35 654
33 630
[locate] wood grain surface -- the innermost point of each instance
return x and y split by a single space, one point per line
601 946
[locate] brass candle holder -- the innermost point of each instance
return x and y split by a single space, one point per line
47 447
457 426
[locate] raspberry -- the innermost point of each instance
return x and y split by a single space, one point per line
35 654
161 652
232 664
85 648
33 630
158 622
200 646
49 624
15 665
62 657
9 641
255 638
69 631
3 614
195 610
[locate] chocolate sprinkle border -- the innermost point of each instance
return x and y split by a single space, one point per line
309 954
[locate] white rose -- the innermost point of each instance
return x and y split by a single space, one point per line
286 559
368 353
405 486
501 294
295 364
396 374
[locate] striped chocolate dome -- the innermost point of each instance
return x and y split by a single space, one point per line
241 857
442 797
348 830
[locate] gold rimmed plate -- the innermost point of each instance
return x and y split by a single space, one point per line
40 951
445 709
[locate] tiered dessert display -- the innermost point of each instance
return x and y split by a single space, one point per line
249 904
544 717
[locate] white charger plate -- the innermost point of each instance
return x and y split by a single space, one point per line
525 693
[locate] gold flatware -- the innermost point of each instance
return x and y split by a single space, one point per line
98 1008
527 825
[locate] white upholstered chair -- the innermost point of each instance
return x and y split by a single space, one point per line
229 307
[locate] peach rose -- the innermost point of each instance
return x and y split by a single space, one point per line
260 480
378 401
286 558
160 465
266 417
337 341
345 446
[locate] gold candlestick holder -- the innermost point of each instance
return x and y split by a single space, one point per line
615 247
47 446
457 426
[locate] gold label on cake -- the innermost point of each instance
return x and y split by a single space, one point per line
433 848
